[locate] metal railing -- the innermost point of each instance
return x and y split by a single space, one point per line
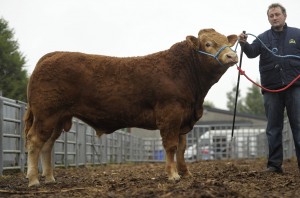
215 142
81 146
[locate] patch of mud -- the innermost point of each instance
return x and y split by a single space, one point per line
238 178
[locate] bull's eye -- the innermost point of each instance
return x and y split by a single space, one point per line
208 44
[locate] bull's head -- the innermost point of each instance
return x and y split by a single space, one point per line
215 45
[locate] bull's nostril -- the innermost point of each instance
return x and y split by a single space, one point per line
228 56
231 56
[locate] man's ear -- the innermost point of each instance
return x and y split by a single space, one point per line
232 39
193 42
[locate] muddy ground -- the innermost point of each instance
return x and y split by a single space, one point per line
239 178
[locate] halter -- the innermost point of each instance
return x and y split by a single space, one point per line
217 54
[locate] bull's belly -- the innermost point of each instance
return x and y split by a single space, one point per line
108 123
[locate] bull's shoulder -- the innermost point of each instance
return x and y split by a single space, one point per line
180 48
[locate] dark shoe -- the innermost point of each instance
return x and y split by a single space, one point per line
274 170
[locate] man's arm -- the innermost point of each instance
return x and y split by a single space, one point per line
251 50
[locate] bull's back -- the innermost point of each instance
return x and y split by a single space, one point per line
95 88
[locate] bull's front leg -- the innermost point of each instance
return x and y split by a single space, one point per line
169 122
170 143
181 164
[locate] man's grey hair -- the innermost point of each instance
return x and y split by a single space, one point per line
277 5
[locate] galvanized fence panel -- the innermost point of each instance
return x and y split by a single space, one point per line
153 149
288 141
81 146
216 142
11 141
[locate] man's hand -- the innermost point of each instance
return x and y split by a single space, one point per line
242 38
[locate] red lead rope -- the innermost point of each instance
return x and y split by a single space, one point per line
242 72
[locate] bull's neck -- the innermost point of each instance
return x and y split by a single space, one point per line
199 73
207 74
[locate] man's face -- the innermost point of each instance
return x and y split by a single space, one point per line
276 18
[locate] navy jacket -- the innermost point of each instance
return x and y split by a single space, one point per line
277 72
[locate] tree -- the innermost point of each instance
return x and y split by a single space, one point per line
231 101
13 76
208 103
254 101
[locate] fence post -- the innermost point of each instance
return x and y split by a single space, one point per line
22 143
119 153
93 146
1 136
84 144
104 150
197 137
131 142
66 150
76 143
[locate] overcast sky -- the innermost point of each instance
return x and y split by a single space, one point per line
137 27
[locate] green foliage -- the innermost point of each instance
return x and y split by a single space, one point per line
252 103
208 103
13 78
231 101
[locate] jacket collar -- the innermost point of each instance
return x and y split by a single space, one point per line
284 28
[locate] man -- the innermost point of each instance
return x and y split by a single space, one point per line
276 73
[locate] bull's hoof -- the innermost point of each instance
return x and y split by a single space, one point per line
49 180
186 174
174 177
34 183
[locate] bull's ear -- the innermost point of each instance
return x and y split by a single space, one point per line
193 42
232 39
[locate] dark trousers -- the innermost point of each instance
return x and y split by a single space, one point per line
275 103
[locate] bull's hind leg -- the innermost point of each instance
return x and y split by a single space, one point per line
181 165
34 145
37 136
46 157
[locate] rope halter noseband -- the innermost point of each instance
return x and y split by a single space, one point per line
217 54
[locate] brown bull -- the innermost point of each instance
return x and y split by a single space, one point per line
164 91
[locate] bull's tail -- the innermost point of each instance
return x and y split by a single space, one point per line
28 120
